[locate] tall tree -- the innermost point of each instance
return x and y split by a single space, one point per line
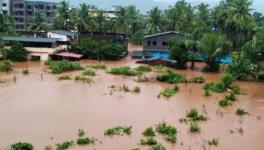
7 25
38 22
63 16
155 19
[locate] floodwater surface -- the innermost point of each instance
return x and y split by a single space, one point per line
47 111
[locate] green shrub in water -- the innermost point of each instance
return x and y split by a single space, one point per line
64 77
143 69
25 72
21 146
169 92
89 73
84 141
141 79
149 132
157 147
224 103
231 96
170 77
123 71
213 142
136 89
98 66
65 145
148 141
199 80
65 65
194 115
6 66
83 79
118 131
125 88
241 112
81 132
168 130
194 128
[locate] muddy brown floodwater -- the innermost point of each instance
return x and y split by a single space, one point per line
51 111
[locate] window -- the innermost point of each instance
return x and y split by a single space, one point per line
29 7
149 43
4 4
54 6
154 42
48 7
4 12
165 44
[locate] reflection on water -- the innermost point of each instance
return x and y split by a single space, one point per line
50 111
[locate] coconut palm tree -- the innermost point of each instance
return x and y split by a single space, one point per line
155 19
63 16
7 25
211 46
84 20
38 22
121 22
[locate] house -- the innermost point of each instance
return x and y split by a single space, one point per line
65 37
160 41
38 48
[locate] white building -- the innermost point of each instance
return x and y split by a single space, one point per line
65 37
5 7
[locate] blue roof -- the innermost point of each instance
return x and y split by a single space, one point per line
30 39
63 32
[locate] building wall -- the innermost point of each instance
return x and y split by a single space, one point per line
5 7
160 42
23 10
58 36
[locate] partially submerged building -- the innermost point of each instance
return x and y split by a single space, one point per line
38 48
66 38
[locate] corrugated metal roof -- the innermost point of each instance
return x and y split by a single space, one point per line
63 32
160 34
30 39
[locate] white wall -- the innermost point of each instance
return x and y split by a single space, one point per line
58 36
7 8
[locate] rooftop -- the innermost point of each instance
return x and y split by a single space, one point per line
63 32
30 39
163 33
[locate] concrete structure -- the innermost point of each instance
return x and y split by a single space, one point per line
23 10
66 38
160 41
5 7
38 48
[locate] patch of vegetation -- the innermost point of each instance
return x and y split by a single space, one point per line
170 77
169 92
89 73
64 77
241 112
64 65
81 132
143 69
194 115
123 71
231 96
17 52
118 131
25 71
6 66
148 141
224 103
21 146
194 128
84 141
141 79
168 130
125 88
157 147
98 66
83 79
207 93
136 89
199 80
65 145
213 142
149 132
48 147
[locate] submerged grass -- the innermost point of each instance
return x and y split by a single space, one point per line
83 79
84 141
120 130
171 77
64 77
65 145
169 92
123 71
194 128
143 69
98 66
168 130
213 142
89 72
194 115
148 141
241 112
157 147
149 132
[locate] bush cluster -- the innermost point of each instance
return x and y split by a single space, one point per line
120 130
64 65
168 130
170 77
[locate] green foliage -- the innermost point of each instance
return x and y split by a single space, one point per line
143 69
213 142
224 103
125 88
157 147
21 146
65 145
168 130
118 131
81 133
170 77
48 147
141 79
199 80
64 65
194 128
84 141
137 37
136 89
83 79
149 132
123 71
207 93
148 141
231 96
64 77
89 73
169 92
98 66
241 112
17 53
6 65
179 52
194 115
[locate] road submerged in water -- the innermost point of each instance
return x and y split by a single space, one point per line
46 112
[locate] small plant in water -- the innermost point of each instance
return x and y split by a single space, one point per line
64 77
194 128
125 88
48 147
195 116
148 141
231 96
169 92
25 72
207 93
168 130
241 112
83 79
149 132
84 141
98 66
213 142
143 69
223 103
89 72
81 132
21 146
157 147
136 89
118 131
141 79
65 145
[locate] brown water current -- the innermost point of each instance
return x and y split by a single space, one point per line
46 112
